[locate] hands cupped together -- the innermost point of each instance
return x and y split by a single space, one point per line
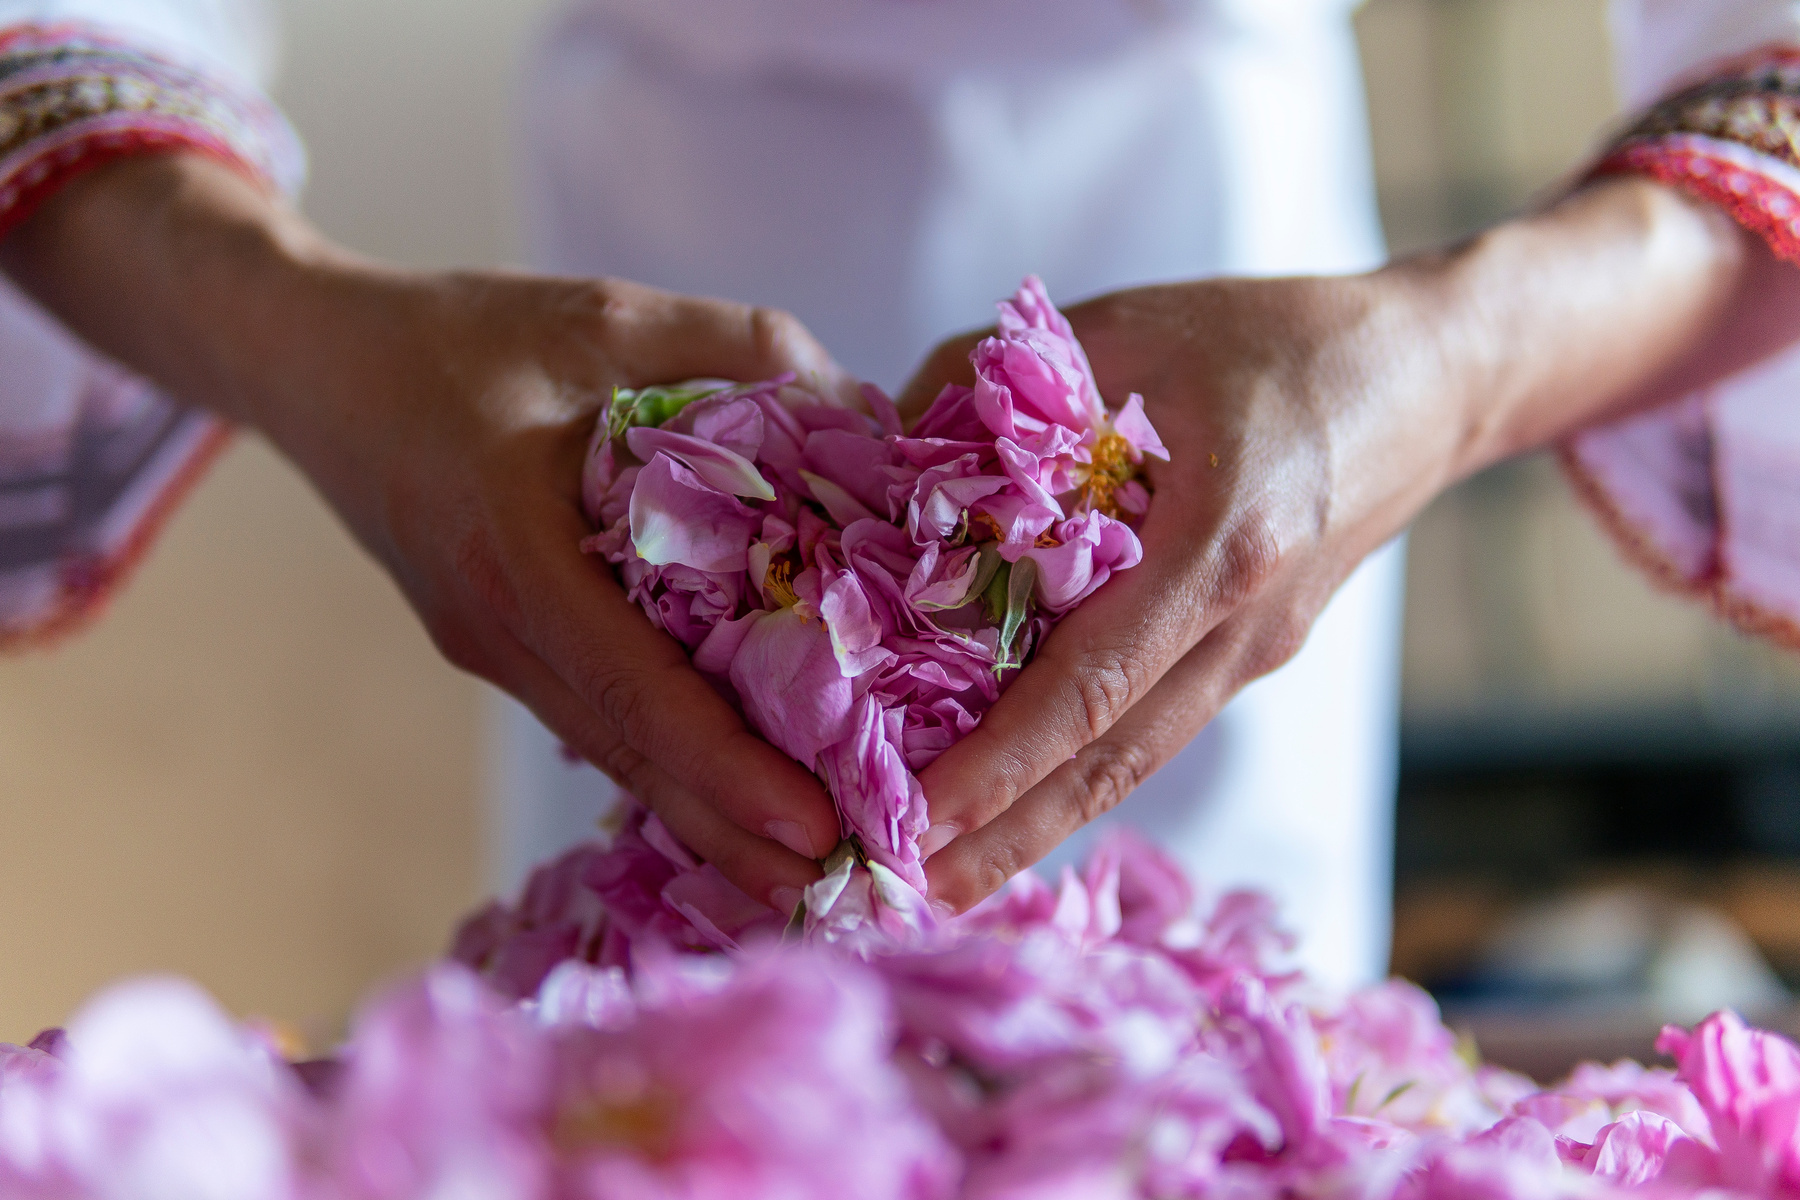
491 386
445 417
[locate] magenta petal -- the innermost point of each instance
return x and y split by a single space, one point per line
855 630
734 422
677 518
718 909
724 469
1634 1149
855 462
787 676
1092 548
598 469
952 416
938 515
840 505
883 408
878 797
714 654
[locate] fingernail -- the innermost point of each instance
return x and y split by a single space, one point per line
943 910
936 838
786 900
793 835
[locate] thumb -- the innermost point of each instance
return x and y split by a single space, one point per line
671 337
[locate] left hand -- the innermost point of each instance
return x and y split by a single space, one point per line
1307 422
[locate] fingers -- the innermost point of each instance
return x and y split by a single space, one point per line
759 867
662 337
947 363
638 685
1100 776
1097 664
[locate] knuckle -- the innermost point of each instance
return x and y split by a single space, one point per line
1280 641
622 699
991 874
460 648
773 332
605 300
1111 773
1249 560
478 566
1107 683
625 767
601 310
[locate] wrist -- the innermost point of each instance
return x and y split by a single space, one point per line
1385 373
180 268
1583 311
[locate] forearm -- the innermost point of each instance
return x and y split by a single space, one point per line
178 268
1623 296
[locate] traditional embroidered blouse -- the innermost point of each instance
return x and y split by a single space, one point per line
91 457
1705 494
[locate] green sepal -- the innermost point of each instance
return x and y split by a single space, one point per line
993 596
845 852
1021 583
650 406
987 564
1394 1095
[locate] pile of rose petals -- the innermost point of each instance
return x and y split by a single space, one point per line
1107 1037
863 593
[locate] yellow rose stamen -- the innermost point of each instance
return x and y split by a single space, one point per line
778 582
1111 467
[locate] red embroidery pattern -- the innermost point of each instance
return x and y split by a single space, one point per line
71 99
1732 140
81 501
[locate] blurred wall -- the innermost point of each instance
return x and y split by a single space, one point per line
255 771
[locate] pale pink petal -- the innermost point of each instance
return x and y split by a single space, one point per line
786 673
678 518
1132 425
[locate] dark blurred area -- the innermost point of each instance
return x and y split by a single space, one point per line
1598 826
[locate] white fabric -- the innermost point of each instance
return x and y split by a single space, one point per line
845 160
1660 44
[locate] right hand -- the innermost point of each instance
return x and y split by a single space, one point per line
445 418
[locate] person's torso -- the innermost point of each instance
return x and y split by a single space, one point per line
886 169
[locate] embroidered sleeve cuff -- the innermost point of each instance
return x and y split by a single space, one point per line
92 459
1732 140
1705 494
72 98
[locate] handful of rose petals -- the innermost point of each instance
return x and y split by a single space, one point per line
862 592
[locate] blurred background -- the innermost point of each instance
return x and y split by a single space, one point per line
256 772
